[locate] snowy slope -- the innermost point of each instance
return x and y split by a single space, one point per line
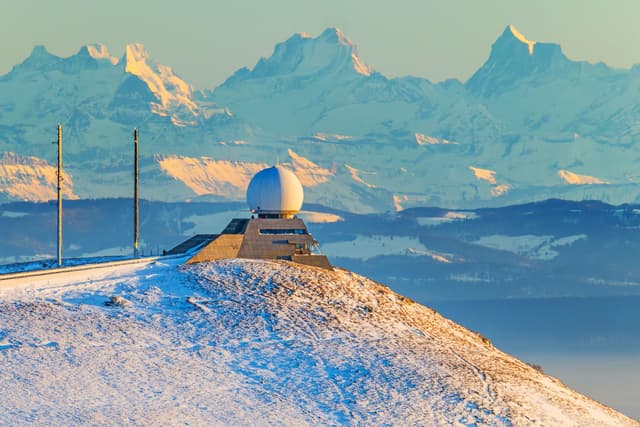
30 178
247 342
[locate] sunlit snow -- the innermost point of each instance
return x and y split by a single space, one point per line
319 217
31 178
423 139
242 342
99 51
577 179
484 174
355 174
230 179
517 34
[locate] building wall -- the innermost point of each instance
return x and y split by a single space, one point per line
251 243
273 246
224 246
313 260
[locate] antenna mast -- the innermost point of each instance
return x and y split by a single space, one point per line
59 195
135 193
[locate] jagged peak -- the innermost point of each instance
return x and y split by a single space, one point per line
40 50
514 56
519 36
512 46
134 53
40 53
170 90
512 41
38 58
335 35
12 158
97 51
303 54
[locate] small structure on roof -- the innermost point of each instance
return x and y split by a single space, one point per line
275 196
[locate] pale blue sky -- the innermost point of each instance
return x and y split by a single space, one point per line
206 40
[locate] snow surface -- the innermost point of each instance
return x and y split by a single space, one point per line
490 176
230 179
240 342
517 34
31 178
365 247
99 51
171 91
423 139
430 221
355 175
210 176
527 113
531 246
484 174
577 179
209 223
319 217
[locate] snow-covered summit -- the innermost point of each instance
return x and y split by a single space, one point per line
332 52
159 343
97 51
88 57
528 113
174 95
513 56
519 36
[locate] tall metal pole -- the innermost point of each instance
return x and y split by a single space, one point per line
59 195
135 193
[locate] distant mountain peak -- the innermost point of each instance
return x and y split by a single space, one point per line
518 35
335 35
38 58
135 53
512 45
513 56
174 95
98 51
39 50
332 52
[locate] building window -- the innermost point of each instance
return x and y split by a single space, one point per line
302 248
283 231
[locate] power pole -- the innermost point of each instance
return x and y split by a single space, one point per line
59 195
135 193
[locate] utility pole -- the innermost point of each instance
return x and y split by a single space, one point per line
59 195
135 193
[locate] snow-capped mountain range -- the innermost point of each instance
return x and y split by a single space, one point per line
239 342
529 124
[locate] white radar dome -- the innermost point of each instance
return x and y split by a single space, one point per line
275 191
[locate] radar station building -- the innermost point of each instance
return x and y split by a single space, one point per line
274 196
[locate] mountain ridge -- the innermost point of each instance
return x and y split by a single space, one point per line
530 117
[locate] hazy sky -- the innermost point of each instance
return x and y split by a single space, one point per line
206 40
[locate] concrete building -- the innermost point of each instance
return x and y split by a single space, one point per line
275 196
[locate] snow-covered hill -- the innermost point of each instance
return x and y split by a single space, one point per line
237 342
538 123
